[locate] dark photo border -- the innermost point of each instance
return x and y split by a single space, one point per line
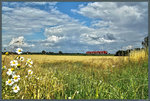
76 1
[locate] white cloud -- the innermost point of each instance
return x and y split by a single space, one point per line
122 16
51 40
40 3
127 22
102 23
19 42
119 23
7 8
127 47
24 4
27 20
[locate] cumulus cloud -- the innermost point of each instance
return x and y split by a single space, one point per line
112 25
127 47
126 21
119 15
7 8
27 20
40 3
30 21
19 42
51 41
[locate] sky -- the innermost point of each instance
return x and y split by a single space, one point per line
74 27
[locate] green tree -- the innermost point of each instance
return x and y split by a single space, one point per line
60 52
43 52
145 43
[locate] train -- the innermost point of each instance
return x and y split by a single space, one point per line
96 52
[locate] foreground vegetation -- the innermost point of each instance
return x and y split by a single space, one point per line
80 77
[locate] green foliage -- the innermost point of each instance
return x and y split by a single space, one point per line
127 82
77 80
145 42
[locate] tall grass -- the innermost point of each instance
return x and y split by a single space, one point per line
139 55
92 78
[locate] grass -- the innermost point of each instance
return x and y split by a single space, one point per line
81 77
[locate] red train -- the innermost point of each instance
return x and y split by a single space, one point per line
96 52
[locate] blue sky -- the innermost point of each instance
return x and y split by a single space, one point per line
74 26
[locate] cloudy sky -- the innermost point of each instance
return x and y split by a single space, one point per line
74 26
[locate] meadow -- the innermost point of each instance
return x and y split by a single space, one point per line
80 77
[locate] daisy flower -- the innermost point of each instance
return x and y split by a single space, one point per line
30 71
30 65
14 62
12 69
16 78
4 67
9 82
29 61
19 50
15 88
22 58
10 72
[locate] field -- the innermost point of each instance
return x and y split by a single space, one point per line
80 77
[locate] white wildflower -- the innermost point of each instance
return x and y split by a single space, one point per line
22 58
30 65
29 62
14 63
10 72
3 67
30 72
16 78
15 88
19 50
9 82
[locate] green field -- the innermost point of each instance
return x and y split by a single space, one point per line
79 77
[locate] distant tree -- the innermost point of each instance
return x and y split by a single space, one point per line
50 52
60 52
137 48
28 52
145 43
43 52
122 53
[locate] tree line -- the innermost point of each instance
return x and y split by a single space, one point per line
118 53
126 52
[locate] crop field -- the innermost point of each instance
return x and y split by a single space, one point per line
78 77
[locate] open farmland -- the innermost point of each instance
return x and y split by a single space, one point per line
104 61
80 77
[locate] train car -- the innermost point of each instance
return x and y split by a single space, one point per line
96 52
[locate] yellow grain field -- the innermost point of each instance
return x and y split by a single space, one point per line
79 77
103 61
